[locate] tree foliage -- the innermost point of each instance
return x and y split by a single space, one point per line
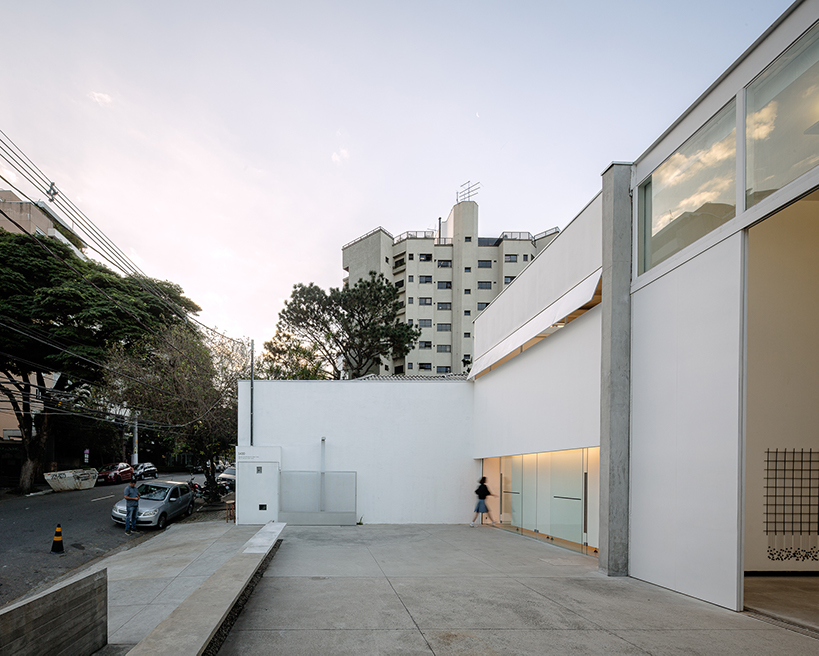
348 330
59 315
183 384
286 358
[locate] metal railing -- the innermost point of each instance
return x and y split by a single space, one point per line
370 233
414 234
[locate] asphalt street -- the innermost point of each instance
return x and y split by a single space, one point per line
28 524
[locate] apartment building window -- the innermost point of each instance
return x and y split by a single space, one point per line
424 280
425 300
409 301
409 322
399 284
400 303
525 258
467 335
386 259
467 291
484 264
444 327
484 284
425 323
411 256
425 257
399 369
409 365
444 264
444 348
398 263
424 345
482 306
467 269
425 366
444 370
467 239
410 278
444 306
467 357
508 279
444 284
467 313
510 258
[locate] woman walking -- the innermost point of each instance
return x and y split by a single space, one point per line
481 507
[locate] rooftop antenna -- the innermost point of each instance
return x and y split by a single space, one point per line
467 191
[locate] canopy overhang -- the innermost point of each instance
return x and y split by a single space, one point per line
574 303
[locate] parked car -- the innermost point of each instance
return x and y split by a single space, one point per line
159 503
228 478
145 470
116 472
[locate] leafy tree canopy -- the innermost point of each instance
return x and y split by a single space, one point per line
58 316
184 386
286 358
348 330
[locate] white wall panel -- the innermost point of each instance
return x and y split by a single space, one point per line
546 399
409 441
685 455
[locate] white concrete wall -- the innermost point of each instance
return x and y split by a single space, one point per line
545 399
569 258
782 389
409 441
685 427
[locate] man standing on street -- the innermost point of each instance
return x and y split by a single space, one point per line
131 506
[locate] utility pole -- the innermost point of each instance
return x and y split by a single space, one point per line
135 455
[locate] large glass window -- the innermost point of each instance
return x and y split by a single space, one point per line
782 119
691 193
553 495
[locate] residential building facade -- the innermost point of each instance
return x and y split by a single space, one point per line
445 278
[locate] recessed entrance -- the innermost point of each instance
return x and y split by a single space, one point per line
782 415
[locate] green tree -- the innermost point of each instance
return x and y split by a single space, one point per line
58 316
348 330
184 386
286 358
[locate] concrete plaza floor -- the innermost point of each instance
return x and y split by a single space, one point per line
460 590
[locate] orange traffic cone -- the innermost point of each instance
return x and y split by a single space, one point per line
57 544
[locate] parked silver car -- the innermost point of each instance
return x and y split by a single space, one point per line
159 502
228 478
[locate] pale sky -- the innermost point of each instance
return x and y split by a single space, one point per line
234 147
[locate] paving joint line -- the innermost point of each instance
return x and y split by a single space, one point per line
395 592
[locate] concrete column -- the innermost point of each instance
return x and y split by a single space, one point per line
615 403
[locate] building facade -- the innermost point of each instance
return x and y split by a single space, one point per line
647 387
445 278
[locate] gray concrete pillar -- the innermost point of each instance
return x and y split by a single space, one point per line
615 388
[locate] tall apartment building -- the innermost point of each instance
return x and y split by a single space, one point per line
445 278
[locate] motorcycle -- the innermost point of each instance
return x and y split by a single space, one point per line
198 490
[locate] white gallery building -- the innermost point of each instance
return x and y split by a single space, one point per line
645 389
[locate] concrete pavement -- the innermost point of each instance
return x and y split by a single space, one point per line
460 590
191 571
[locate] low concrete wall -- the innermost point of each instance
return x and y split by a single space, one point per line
71 619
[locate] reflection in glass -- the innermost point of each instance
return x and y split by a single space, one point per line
782 119
691 193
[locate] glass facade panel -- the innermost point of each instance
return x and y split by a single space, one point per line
782 119
549 495
691 193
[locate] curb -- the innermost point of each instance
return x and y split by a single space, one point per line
194 624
